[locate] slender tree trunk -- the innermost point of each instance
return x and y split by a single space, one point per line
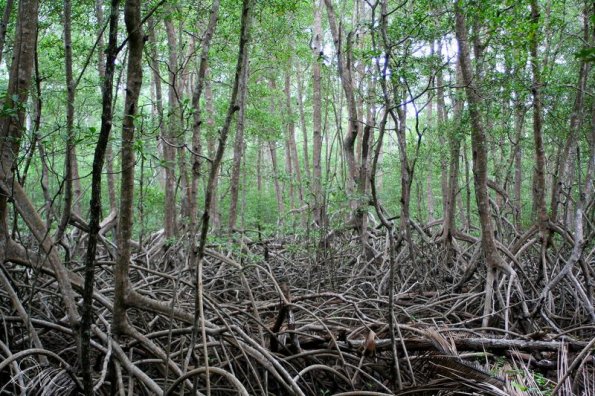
429 189
480 168
559 180
466 213
69 158
238 152
454 145
539 183
11 129
101 66
344 64
197 116
122 289
210 107
214 171
107 73
291 139
406 173
303 126
4 25
169 220
319 217
173 133
441 119
278 189
21 71
259 168
519 119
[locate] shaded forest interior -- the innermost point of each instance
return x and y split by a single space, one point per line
315 197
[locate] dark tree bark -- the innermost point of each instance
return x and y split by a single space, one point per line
291 138
450 207
69 159
539 183
132 18
519 120
559 181
173 131
211 147
238 151
4 25
101 66
480 164
197 116
344 64
319 212
234 106
95 204
303 125
11 128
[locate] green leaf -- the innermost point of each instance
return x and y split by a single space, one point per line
586 54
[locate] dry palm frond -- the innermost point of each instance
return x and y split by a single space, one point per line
440 342
453 367
446 375
454 386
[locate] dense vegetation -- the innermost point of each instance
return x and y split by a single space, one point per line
297 197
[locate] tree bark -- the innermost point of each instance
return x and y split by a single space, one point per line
278 189
478 140
232 109
69 158
539 183
197 116
238 152
132 18
303 126
10 138
318 208
174 128
214 216
101 67
107 72
291 138
454 145
4 25
344 65
559 180
519 119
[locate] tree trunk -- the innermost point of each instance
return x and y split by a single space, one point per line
122 289
344 65
519 120
539 183
170 139
11 128
319 217
480 168
210 107
4 25
303 126
197 116
107 73
101 67
291 139
278 189
69 158
238 152
559 180
214 171
454 145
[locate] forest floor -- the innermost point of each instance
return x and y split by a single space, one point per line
287 316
